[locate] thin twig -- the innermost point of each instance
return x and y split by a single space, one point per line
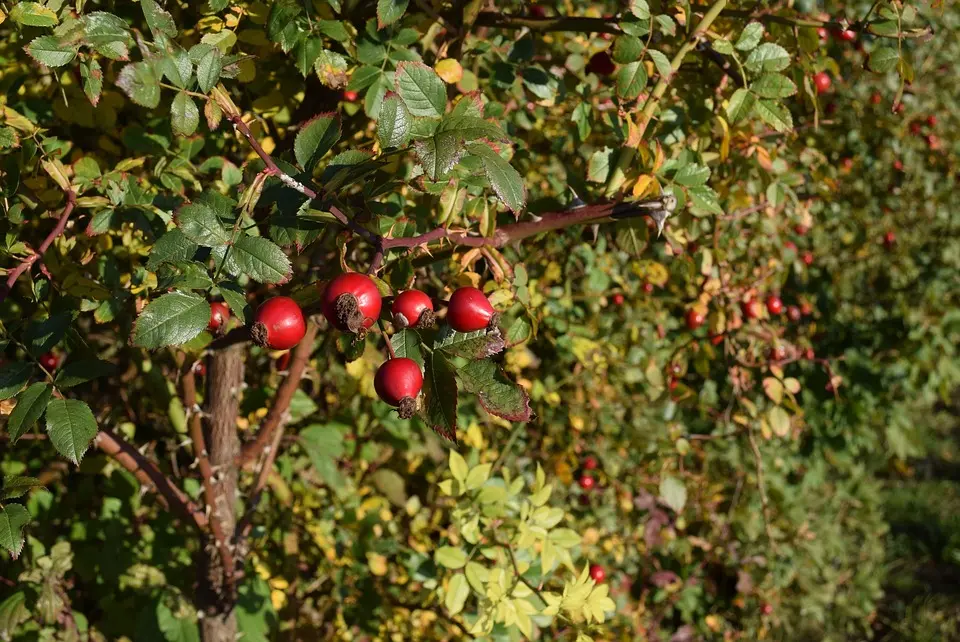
761 486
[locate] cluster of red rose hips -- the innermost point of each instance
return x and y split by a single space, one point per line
351 303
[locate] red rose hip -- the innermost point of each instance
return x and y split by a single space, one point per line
597 573
412 309
774 305
590 463
822 82
793 313
469 310
587 482
219 315
278 324
601 64
752 309
398 383
695 317
618 299
49 361
352 302
350 96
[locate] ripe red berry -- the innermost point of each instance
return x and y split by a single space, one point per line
695 318
716 339
889 239
847 163
469 310
200 369
933 141
618 299
538 11
793 313
806 309
790 245
351 302
774 305
398 383
808 258
767 609
876 98
601 64
822 82
778 353
597 573
916 128
648 288
848 35
350 96
672 385
898 165
412 308
219 315
278 324
590 463
801 229
752 309
49 361
587 482
822 32
932 120
809 354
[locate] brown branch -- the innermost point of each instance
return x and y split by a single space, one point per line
761 486
148 474
283 397
47 242
263 474
861 26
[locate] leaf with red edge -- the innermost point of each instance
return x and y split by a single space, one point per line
497 394
389 11
439 407
470 345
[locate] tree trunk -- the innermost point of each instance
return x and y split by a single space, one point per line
218 594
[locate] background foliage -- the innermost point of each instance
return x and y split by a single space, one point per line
789 476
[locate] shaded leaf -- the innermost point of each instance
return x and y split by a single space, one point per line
13 517
631 80
315 138
82 371
439 407
505 180
15 486
140 83
13 376
497 394
31 404
71 426
389 11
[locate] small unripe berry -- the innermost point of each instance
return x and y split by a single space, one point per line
398 383
219 315
695 318
587 482
597 573
601 64
822 82
469 310
774 305
412 308
49 361
351 302
278 324
793 313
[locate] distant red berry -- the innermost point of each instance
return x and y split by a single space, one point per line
793 313
801 229
898 165
889 239
716 339
876 98
806 309
590 463
774 305
847 163
809 354
778 353
469 310
587 482
933 141
695 318
849 35
932 120
597 573
790 245
752 308
807 258
898 108
412 308
601 64
278 324
538 11
350 96
219 315
672 385
398 383
767 609
822 32
822 82
916 128
351 302
618 299
648 288
49 361
200 369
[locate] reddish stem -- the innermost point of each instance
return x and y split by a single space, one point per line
47 242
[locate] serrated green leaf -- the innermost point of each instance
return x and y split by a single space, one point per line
172 246
661 62
773 86
458 590
750 36
71 426
692 175
723 46
140 83
450 557
631 80
439 407
31 404
199 223
439 154
740 104
13 376
209 68
184 114
92 75
471 128
82 371
884 59
236 300
260 259
393 123
673 493
421 89
497 394
406 343
389 11
505 180
177 67
598 168
172 319
768 57
470 345
640 9
49 51
774 114
316 138
627 49
15 486
33 14
160 22
13 517
704 199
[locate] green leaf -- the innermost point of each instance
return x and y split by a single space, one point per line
172 246
107 33
184 114
774 114
364 77
199 223
13 613
640 9
471 128
779 421
884 59
506 181
43 335
750 36
627 49
458 590
140 83
13 517
497 394
768 57
71 426
450 557
673 493
740 104
236 300
631 80
391 485
458 467
260 259
31 404
518 332
82 371
33 14
13 376
177 67
317 136
692 175
324 445
306 55
393 123
439 154
723 46
662 63
469 345
421 89
48 50
406 343
15 486
9 138
176 628
389 11
172 319
92 75
439 407
599 165
773 86
159 21
705 199
209 67
478 476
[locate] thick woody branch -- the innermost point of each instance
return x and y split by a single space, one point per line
148 474
47 242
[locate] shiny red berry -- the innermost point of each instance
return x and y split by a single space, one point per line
751 308
695 318
932 120
898 165
200 369
351 302
778 353
848 35
469 310
876 98
601 64
648 288
398 383
590 463
807 258
618 299
587 482
822 82
278 324
49 361
716 339
412 308
597 573
889 239
219 315
793 313
774 305
350 96
809 354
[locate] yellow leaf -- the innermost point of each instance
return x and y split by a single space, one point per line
642 187
725 143
449 70
377 564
